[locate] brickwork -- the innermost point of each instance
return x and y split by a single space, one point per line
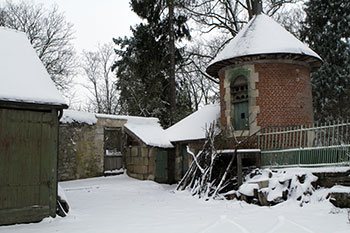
279 94
285 96
222 100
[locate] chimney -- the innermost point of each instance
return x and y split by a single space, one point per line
257 7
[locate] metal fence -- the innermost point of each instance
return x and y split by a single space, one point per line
308 145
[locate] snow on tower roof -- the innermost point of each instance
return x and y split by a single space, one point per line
23 77
262 35
194 126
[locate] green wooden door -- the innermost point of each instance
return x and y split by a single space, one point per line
162 166
185 160
241 116
28 163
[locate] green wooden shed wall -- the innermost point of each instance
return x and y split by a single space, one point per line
28 162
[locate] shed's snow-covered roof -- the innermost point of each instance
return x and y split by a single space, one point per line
262 35
149 131
23 77
194 126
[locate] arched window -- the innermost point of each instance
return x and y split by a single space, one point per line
239 90
239 100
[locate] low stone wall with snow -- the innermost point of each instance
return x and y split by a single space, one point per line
141 162
81 144
80 152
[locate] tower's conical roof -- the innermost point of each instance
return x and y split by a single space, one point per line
263 36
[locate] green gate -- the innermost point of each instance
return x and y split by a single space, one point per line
28 163
185 160
241 115
308 145
162 166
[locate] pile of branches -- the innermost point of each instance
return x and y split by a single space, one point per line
207 176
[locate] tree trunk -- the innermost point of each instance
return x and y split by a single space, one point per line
172 97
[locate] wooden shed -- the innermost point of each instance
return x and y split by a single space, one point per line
30 106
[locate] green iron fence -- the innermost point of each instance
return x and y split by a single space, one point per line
308 145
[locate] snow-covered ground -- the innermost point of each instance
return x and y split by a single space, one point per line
125 205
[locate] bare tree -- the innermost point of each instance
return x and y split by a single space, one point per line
230 15
96 66
49 33
200 87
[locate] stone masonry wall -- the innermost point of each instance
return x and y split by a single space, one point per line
141 162
227 75
79 153
81 149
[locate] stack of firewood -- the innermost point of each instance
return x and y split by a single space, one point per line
210 174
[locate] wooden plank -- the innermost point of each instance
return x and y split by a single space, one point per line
239 169
27 214
23 184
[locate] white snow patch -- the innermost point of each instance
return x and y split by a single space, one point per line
262 35
194 126
248 189
61 193
149 131
328 169
230 151
23 77
282 180
339 189
70 116
122 204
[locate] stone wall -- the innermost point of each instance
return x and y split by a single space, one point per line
140 162
81 148
79 152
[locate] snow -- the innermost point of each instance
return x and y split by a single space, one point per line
280 181
248 189
339 189
230 151
262 35
61 193
23 77
123 204
332 169
149 131
109 116
70 116
194 126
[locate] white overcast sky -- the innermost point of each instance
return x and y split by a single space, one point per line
95 21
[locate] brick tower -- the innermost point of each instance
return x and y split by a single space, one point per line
264 75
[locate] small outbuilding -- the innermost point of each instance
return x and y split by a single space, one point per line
30 106
189 134
149 155
95 144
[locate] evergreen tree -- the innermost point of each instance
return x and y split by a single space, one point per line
327 32
144 64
